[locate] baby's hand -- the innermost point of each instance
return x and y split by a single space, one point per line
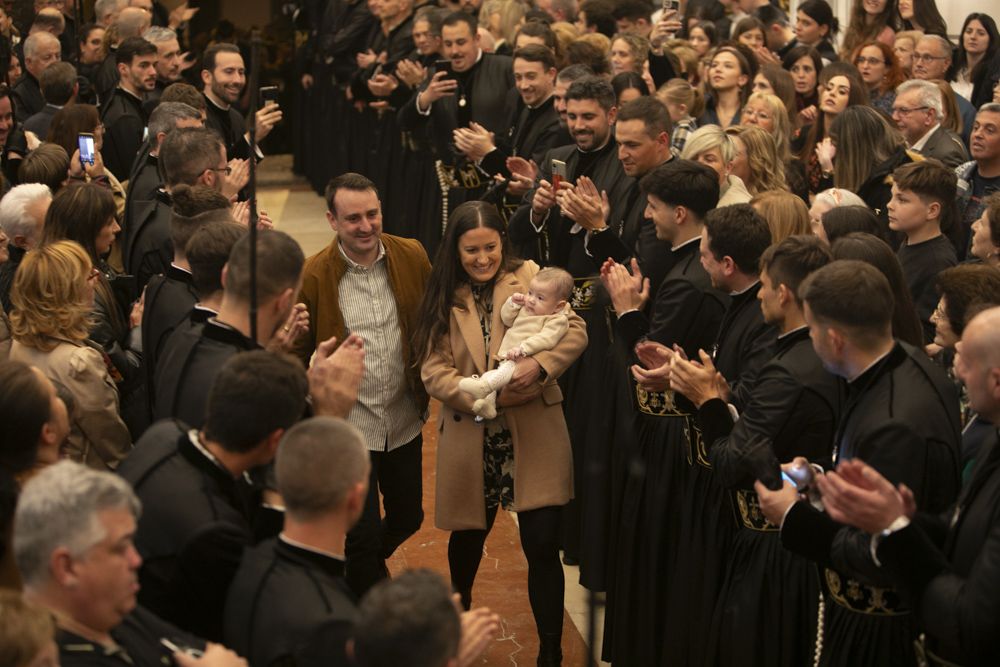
515 353
517 298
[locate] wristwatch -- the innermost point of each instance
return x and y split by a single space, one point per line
899 524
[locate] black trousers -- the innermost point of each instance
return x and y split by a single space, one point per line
398 475
539 530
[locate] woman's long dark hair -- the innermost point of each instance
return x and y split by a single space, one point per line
447 274
926 14
78 213
873 250
789 61
962 58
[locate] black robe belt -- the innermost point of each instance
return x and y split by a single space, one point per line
862 598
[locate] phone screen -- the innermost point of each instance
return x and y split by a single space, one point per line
86 145
444 66
671 5
558 173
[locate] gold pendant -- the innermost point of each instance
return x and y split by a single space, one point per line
461 101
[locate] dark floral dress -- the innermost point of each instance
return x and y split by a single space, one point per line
498 445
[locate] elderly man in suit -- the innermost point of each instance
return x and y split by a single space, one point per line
918 112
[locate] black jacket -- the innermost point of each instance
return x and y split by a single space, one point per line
289 605
196 521
792 411
231 126
144 179
7 271
745 343
148 250
186 370
138 636
125 122
39 123
531 134
106 79
169 300
343 30
27 96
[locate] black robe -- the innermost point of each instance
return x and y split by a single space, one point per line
148 250
186 370
169 300
901 418
766 614
650 468
196 521
231 126
125 120
138 636
290 604
144 178
28 98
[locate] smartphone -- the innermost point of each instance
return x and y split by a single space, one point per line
444 66
85 141
558 174
671 5
174 648
268 94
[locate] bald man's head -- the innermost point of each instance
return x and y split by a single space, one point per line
977 363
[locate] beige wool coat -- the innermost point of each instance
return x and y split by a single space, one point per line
543 462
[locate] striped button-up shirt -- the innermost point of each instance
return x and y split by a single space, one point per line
386 412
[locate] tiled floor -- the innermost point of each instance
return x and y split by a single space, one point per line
502 580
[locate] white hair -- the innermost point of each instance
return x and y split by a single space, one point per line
58 508
102 7
930 95
836 197
14 217
158 34
946 47
36 41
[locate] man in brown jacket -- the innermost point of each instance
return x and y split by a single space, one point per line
371 284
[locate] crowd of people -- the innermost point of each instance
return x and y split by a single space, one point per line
709 297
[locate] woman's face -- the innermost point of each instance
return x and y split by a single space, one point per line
740 166
699 41
975 39
804 76
759 113
833 99
983 245
106 237
479 252
807 31
622 59
944 335
725 73
762 85
712 158
874 7
906 9
903 47
14 69
871 63
816 219
752 38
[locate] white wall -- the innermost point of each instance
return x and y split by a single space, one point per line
953 11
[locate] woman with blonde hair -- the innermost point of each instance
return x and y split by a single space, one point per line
757 162
52 299
502 18
952 119
903 46
785 213
712 147
629 53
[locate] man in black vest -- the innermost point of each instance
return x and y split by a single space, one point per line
943 561
224 77
475 91
40 50
289 600
123 115
901 417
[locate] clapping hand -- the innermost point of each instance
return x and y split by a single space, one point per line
629 291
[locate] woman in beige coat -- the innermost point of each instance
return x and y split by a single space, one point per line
521 460
52 297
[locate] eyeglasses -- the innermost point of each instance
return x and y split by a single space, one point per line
758 115
926 57
904 111
938 314
225 170
861 60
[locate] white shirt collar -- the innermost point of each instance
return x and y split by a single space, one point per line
306 547
919 145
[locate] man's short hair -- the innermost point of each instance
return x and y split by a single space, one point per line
930 95
600 15
633 10
58 81
132 48
536 53
408 620
347 181
207 252
738 232
854 296
651 112
211 54
166 115
559 279
279 266
684 183
943 44
102 7
130 22
539 29
193 207
48 164
255 394
790 261
967 287
36 41
931 181
186 154
574 73
51 22
592 58
58 508
592 88
158 34
85 31
184 93
770 15
318 462
14 217
455 18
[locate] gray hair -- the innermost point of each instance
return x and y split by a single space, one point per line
130 22
930 95
945 46
59 508
102 7
991 107
158 34
836 197
166 115
318 462
14 217
705 139
36 41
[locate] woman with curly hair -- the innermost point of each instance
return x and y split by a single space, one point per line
53 298
629 53
758 162
880 70
767 112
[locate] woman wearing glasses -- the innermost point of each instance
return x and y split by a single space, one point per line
53 297
880 70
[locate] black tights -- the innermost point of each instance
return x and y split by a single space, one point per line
540 543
